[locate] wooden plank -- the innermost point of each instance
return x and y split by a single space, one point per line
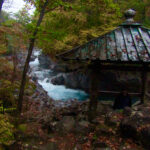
117 92
111 46
97 49
78 54
143 87
92 50
144 41
94 83
84 53
138 41
123 68
131 50
121 49
102 49
135 44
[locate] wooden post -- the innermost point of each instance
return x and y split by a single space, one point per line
143 87
94 92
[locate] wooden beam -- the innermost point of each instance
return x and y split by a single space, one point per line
131 68
144 81
112 62
117 92
94 86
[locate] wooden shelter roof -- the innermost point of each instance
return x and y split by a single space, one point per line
130 43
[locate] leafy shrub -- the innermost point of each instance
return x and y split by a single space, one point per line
6 131
6 93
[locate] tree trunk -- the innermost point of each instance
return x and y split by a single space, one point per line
30 49
15 62
144 83
1 4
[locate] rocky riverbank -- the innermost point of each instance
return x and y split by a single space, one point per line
66 127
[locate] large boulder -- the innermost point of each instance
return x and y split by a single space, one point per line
59 68
109 80
77 81
137 126
59 79
83 127
73 80
65 125
44 61
50 146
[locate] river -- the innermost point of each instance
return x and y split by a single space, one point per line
44 76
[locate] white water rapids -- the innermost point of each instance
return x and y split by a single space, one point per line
56 92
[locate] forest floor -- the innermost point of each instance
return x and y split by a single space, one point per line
50 126
68 128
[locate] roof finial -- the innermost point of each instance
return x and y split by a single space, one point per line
129 15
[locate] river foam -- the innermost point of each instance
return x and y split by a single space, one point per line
56 92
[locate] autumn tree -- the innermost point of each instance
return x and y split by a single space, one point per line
30 49
42 6
1 6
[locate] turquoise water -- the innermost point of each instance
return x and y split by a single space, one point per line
56 92
60 92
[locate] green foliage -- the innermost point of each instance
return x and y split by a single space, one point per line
7 93
7 89
23 16
22 127
11 109
73 23
6 131
76 23
6 68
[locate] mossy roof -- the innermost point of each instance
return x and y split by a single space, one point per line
129 42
